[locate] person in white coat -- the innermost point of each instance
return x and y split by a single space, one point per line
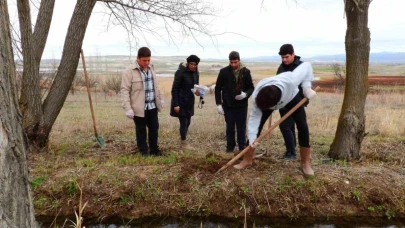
281 91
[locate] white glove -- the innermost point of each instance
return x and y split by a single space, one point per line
253 144
308 92
241 96
220 110
196 92
130 114
163 103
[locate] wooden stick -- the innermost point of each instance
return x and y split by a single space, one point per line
88 92
270 119
265 133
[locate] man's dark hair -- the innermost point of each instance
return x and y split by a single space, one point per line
234 55
144 52
286 49
268 97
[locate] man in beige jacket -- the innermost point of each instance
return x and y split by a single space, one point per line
142 100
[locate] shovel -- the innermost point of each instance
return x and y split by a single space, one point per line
99 140
265 133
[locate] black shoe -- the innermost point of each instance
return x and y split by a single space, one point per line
291 157
144 153
144 150
156 152
287 156
230 149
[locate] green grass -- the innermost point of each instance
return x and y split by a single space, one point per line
40 201
36 182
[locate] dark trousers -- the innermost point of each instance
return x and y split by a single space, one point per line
151 121
235 117
287 128
299 117
184 124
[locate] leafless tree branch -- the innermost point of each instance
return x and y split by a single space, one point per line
16 40
163 19
35 3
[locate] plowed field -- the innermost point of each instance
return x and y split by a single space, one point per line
376 83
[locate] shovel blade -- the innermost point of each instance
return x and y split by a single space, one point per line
100 142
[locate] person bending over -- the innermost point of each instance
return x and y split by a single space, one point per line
273 93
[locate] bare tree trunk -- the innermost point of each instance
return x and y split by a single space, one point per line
351 126
33 45
67 68
16 209
30 100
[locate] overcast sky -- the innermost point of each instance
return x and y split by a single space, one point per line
314 27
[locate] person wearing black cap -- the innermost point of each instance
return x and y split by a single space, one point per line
290 61
233 88
182 104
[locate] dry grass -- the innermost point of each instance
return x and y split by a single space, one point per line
73 129
383 119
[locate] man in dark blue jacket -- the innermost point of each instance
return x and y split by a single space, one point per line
289 62
233 88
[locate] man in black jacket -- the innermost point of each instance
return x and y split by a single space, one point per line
233 88
290 61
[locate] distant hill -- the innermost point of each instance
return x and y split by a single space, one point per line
381 57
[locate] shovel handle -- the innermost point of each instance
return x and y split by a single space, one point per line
266 132
88 92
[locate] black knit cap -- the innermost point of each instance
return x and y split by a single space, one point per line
286 49
193 58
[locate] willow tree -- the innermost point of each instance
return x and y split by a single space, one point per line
159 18
350 131
16 209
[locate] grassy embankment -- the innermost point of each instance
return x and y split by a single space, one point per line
117 182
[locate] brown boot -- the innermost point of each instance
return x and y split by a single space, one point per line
247 160
184 145
305 153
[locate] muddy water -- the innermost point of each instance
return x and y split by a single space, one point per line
217 222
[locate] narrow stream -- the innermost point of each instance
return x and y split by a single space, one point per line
218 222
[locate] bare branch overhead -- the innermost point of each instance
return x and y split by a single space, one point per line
163 19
